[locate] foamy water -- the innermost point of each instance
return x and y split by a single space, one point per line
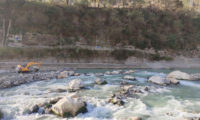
165 103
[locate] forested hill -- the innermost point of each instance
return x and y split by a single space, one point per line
157 24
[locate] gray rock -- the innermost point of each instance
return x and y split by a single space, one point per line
134 118
75 84
159 80
100 81
54 100
195 76
115 72
69 107
77 74
116 100
1 115
178 75
173 80
14 80
128 77
34 109
108 73
61 90
129 72
99 74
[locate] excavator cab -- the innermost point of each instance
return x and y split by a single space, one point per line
30 67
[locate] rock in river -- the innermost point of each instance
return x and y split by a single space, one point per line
159 80
195 76
134 118
69 107
116 100
129 72
178 75
128 77
100 81
75 85
1 114
173 81
65 74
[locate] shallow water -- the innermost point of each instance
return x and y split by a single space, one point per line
167 103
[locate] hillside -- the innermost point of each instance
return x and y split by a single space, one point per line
174 30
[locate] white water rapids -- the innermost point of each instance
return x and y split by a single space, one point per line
166 103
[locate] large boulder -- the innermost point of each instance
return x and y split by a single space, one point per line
75 85
159 80
100 81
128 77
69 107
173 80
178 75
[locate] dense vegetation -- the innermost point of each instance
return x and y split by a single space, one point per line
74 54
176 28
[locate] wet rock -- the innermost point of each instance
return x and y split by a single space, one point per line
14 80
34 109
127 87
44 76
75 85
146 89
69 107
179 75
192 118
173 80
108 73
65 74
195 76
54 100
99 74
77 74
48 111
41 110
115 72
1 114
134 118
159 80
116 100
128 77
43 104
123 83
61 90
100 81
129 72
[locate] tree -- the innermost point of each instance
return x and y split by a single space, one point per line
8 13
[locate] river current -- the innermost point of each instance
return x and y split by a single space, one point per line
173 102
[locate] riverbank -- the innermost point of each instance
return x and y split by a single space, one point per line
132 62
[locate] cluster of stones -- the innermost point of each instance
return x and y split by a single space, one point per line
68 106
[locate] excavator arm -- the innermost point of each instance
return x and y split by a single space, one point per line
29 67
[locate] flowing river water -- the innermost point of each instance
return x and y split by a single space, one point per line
173 102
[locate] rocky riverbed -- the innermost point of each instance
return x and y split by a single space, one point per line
101 94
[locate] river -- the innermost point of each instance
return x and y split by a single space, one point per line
173 102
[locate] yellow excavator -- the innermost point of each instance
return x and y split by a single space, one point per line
30 67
